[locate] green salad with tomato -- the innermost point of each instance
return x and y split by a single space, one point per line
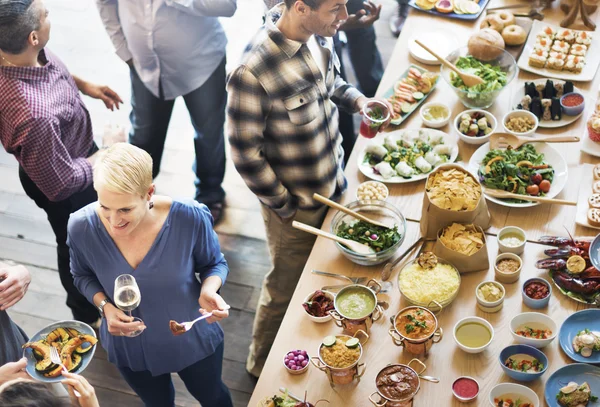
522 171
376 237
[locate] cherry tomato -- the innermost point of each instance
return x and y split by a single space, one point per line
536 178
545 186
533 189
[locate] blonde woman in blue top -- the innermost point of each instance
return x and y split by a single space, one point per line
171 249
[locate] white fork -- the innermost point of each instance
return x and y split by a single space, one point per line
188 325
55 358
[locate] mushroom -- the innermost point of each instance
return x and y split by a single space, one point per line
587 339
586 352
569 388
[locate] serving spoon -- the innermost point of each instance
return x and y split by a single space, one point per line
350 244
503 140
468 79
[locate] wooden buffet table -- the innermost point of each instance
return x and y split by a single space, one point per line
445 360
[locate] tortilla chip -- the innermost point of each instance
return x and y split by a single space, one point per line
454 190
465 239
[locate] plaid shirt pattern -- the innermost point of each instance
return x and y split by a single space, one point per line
283 120
45 125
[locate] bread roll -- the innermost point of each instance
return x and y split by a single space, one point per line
486 45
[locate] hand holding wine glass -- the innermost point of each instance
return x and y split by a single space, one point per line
127 297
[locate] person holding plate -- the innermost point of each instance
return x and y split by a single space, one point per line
171 257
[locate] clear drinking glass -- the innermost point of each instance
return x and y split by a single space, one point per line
127 298
375 114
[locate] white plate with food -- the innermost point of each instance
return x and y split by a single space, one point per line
546 161
592 54
557 86
404 156
590 147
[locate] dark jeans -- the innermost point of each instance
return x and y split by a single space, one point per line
58 216
202 379
150 118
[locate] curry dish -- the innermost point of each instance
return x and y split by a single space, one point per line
416 323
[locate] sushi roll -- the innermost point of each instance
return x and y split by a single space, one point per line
584 38
404 170
385 169
435 138
432 158
536 107
390 143
559 88
538 59
376 150
568 88
546 113
549 89
526 102
530 89
578 49
555 109
422 165
443 149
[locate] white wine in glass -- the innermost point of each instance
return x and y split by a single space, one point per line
128 297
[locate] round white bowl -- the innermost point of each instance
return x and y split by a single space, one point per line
437 123
511 229
318 320
473 319
533 318
520 113
386 193
475 140
487 306
508 278
513 389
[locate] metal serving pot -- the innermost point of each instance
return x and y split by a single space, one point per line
419 346
343 375
353 325
380 399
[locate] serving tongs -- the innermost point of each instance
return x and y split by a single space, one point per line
356 247
498 193
342 208
504 140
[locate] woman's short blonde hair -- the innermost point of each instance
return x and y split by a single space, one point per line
123 168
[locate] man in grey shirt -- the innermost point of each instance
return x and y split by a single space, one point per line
13 286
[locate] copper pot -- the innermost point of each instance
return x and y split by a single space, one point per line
343 375
353 325
380 399
419 346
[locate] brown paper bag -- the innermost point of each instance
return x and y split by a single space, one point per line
465 264
433 218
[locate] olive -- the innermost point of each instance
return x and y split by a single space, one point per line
545 186
533 189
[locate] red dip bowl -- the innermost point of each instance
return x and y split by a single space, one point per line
537 290
465 388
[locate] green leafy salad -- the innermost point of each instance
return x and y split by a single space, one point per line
376 237
522 171
494 79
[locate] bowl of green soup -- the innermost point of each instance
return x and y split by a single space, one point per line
356 306
473 334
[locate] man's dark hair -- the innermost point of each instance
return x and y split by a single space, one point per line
313 4
18 18
31 394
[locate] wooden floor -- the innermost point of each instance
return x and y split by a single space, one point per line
26 237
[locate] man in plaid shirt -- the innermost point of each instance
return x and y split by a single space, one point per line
285 141
46 126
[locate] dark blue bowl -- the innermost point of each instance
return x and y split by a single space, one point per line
525 350
572 110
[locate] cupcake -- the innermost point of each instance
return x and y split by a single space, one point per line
593 126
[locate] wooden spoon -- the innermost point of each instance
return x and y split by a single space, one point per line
350 244
342 208
503 140
498 193
467 78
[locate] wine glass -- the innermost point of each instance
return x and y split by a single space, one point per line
127 298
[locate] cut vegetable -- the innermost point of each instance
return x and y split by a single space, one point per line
406 107
329 340
418 95
352 343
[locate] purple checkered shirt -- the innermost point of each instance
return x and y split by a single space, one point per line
45 125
